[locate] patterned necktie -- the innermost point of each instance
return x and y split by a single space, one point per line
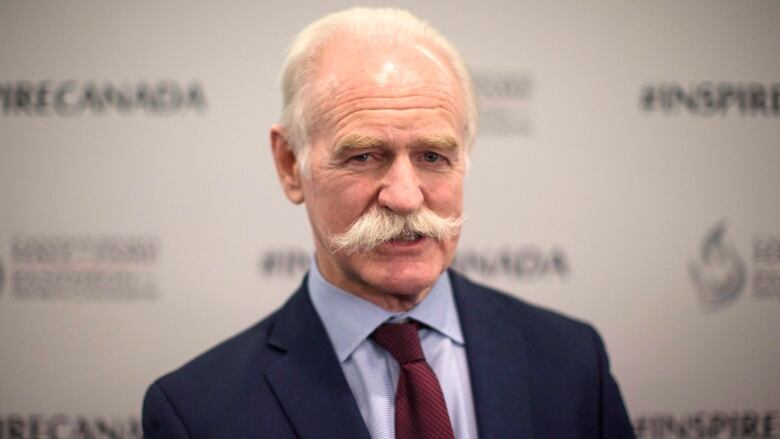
420 410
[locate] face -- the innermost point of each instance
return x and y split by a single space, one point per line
388 137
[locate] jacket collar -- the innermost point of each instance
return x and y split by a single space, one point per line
308 380
498 362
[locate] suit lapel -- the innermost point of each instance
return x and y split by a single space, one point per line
308 380
498 364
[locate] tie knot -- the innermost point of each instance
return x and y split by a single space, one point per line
401 340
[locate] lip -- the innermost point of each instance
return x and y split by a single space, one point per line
404 246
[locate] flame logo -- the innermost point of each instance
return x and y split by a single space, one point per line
719 273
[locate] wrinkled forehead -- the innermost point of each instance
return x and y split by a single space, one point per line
395 68
383 62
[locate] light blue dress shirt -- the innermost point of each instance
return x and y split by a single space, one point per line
372 373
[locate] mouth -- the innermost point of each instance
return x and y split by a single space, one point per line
406 238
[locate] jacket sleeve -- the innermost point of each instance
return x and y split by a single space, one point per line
160 418
614 421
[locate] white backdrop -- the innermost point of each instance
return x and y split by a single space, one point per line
628 174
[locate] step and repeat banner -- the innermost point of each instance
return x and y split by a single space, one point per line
627 173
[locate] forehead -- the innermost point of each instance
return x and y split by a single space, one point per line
357 77
382 62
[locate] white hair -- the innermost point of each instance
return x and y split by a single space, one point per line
392 25
380 225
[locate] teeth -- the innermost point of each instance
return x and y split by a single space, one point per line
408 236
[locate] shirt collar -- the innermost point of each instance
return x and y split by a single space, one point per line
349 320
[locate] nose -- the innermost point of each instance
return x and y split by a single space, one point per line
400 191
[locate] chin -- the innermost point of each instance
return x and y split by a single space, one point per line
400 280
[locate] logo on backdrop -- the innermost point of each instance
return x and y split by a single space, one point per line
721 274
718 271
84 267
709 424
504 103
284 262
63 426
710 99
524 262
72 98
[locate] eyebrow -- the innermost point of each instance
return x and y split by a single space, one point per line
355 141
446 143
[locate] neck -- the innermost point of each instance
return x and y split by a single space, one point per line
392 302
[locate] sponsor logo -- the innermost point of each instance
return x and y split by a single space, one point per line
718 272
524 262
709 424
712 99
84 267
71 98
721 275
61 426
504 103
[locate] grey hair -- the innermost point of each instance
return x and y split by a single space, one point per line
380 225
394 25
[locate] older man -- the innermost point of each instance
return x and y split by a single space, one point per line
381 340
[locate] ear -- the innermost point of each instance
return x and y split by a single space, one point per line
286 164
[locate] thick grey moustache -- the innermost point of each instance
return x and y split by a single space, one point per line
380 225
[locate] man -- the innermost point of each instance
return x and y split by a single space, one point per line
381 340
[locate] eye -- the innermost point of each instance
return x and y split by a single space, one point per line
361 157
431 157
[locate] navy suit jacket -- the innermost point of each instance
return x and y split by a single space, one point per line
534 374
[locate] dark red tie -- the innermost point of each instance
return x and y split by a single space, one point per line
420 410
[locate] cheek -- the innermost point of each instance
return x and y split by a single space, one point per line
340 202
446 197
